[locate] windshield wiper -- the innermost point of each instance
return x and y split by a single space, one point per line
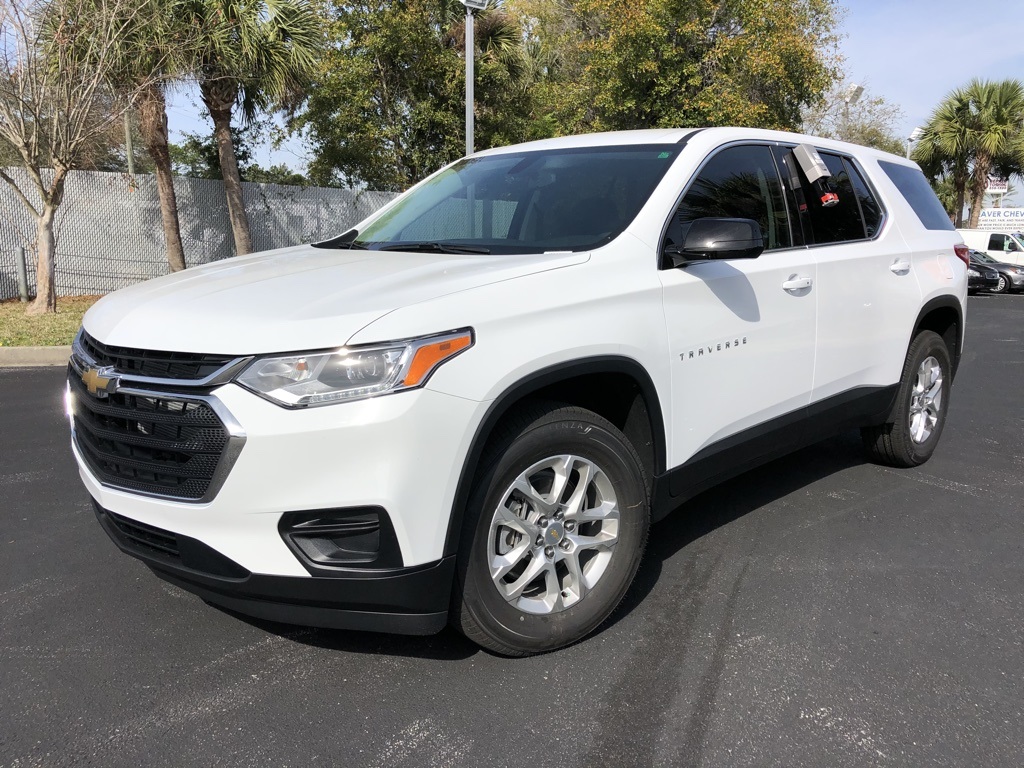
346 240
434 247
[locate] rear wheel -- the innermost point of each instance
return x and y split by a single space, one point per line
560 513
911 433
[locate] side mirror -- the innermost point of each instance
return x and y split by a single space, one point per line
714 238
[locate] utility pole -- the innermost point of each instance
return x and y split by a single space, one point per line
472 6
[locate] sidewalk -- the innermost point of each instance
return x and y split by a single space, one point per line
33 357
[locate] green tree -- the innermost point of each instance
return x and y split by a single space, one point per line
275 174
998 141
198 157
256 55
622 64
944 149
387 105
974 132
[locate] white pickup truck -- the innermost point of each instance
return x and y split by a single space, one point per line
470 408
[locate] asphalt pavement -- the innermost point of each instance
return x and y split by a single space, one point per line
819 611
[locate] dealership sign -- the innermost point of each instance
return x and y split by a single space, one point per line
997 186
1008 219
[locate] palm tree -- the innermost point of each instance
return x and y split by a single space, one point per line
975 130
999 133
161 49
256 54
944 149
498 36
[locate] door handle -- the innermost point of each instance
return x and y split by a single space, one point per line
797 283
900 267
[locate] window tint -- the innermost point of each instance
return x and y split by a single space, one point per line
738 183
996 242
915 188
837 223
870 210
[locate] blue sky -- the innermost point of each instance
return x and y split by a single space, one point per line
911 52
914 52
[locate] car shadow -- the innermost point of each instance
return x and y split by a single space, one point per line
691 521
447 645
720 506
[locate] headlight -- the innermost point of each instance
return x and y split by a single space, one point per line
352 373
973 273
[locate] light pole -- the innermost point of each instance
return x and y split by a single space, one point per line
472 6
915 135
850 96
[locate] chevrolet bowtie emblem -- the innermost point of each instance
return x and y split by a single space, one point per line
100 382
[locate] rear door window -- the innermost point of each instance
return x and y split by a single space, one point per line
870 210
845 220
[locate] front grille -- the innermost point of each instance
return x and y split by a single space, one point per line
162 444
187 366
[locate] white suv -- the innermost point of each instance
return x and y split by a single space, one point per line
470 408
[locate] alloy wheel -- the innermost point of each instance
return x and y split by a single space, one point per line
553 534
926 400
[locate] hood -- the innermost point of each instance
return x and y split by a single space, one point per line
293 299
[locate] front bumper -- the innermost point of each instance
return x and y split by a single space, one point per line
408 600
981 282
402 453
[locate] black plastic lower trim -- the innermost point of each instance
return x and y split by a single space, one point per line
753 447
412 600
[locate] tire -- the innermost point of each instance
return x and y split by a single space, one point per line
910 434
1003 286
541 567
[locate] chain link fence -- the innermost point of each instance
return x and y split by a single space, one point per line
109 233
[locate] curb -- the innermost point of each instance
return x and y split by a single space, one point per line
33 357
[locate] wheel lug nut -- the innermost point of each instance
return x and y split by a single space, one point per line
549 551
565 544
540 540
558 515
570 525
542 522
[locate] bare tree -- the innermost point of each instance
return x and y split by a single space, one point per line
862 119
57 62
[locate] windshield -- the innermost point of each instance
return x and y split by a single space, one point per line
525 202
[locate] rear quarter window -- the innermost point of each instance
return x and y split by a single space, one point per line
918 192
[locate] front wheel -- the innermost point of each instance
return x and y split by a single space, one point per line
1003 286
557 525
911 433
